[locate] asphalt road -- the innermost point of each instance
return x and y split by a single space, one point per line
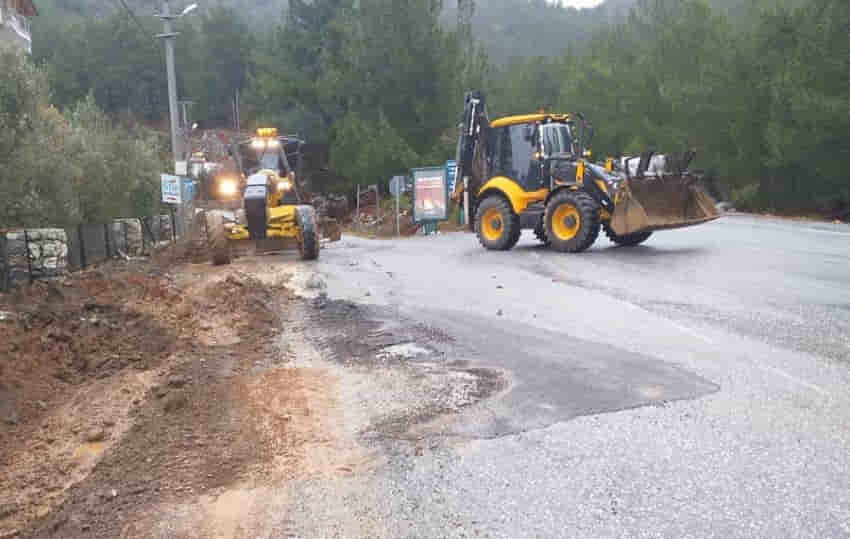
696 386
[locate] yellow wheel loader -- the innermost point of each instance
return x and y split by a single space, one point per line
533 172
255 203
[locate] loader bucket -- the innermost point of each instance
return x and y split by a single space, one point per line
660 203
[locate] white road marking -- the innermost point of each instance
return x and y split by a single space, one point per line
690 332
791 377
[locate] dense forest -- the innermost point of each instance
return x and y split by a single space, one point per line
758 87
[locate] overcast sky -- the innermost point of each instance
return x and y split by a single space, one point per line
581 3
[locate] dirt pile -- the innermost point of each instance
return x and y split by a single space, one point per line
119 387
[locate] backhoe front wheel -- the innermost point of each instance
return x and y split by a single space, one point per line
496 224
572 221
307 232
626 240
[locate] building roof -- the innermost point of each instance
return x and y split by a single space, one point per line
24 7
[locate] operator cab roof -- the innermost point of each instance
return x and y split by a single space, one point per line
529 119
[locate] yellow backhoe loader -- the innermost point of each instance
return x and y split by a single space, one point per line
534 171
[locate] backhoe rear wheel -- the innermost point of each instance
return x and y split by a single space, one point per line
626 240
572 221
307 232
496 224
217 238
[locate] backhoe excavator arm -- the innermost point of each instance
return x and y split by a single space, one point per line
472 132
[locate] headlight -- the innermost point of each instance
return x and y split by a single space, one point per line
227 187
273 143
284 185
258 144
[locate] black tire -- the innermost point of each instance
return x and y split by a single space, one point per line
586 226
540 232
508 227
627 240
308 232
218 243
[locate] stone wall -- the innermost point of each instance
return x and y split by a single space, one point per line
49 252
129 234
42 253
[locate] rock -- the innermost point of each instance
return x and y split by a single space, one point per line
174 402
176 380
315 283
8 509
35 250
499 287
42 405
160 392
11 417
96 434
499 312
368 293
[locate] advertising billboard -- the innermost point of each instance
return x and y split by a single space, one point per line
430 195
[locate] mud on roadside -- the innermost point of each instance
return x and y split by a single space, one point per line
118 389
162 400
416 373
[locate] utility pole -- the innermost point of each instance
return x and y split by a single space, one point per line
186 129
168 35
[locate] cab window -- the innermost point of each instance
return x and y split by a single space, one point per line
513 152
557 139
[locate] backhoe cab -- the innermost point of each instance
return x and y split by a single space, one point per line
534 172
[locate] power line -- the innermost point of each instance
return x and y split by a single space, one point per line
133 15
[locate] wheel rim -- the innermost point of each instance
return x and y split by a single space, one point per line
566 221
492 224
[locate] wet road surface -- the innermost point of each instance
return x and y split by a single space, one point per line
696 386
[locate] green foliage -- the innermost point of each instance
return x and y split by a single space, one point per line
59 169
769 107
224 58
758 87
745 197
381 112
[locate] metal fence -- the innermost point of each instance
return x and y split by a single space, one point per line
85 245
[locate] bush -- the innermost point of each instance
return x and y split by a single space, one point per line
746 198
61 169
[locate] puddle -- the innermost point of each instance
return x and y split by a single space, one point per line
406 350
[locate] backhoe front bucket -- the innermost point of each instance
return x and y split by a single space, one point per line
659 203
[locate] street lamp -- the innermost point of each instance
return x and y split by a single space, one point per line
168 35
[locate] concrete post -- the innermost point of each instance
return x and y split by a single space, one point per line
168 36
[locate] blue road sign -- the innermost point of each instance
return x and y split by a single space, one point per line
451 174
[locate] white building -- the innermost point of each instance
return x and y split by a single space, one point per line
15 24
